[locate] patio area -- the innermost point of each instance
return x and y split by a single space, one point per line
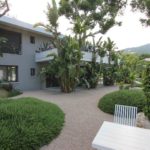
82 116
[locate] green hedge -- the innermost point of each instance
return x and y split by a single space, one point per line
14 92
28 123
122 97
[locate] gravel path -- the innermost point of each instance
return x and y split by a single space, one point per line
82 117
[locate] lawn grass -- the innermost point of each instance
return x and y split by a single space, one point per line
28 123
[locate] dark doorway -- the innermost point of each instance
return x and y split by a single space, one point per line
51 81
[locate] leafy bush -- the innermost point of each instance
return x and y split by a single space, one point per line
108 76
146 84
6 86
122 97
28 123
14 92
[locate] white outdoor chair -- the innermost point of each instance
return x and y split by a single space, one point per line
125 115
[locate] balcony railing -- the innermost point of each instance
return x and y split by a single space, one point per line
42 56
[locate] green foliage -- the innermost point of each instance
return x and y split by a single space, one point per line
110 47
7 90
128 69
66 65
143 56
14 92
122 97
28 123
144 7
146 83
107 48
108 75
85 15
91 74
53 14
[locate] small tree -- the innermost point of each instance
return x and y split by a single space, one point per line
146 89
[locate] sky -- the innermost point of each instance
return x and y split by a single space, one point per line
130 34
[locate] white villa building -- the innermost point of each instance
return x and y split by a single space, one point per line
26 51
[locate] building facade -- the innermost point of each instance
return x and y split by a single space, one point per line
18 64
25 50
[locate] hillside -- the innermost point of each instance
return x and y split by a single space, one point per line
144 49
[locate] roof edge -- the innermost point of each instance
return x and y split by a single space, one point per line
23 25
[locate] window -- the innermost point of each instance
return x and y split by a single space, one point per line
32 71
9 73
12 42
32 39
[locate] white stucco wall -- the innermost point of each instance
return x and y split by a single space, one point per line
26 60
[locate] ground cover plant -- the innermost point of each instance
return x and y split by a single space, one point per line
7 90
146 83
122 97
28 123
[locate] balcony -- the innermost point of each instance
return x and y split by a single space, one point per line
43 56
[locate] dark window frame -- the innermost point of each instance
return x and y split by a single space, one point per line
11 36
32 39
7 74
32 72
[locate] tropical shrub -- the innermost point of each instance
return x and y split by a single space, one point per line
90 76
14 92
65 65
127 69
122 97
28 123
108 75
146 89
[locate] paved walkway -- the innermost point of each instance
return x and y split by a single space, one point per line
82 116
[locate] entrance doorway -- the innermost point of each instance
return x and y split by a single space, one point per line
51 81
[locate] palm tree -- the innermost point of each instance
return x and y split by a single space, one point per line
110 48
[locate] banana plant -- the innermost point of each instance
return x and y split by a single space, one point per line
65 66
